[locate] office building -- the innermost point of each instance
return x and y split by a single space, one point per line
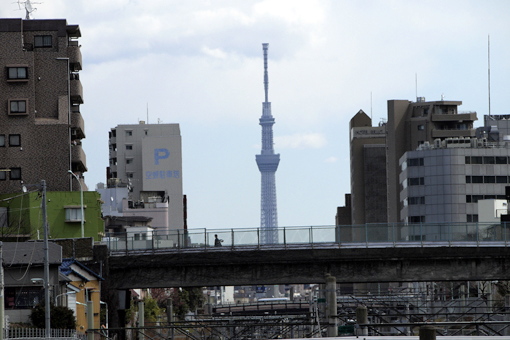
147 159
443 183
411 124
41 126
368 170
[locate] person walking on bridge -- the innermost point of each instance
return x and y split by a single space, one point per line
217 241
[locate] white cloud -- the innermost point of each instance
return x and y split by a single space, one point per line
331 159
214 52
301 141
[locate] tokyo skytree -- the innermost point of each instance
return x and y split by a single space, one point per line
267 162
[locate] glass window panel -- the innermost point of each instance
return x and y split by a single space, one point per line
16 173
14 140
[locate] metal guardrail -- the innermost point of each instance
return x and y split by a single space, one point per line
38 333
370 235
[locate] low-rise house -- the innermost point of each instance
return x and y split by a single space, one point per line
87 287
23 264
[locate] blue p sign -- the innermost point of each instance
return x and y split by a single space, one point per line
160 154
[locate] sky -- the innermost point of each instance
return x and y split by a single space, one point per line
199 63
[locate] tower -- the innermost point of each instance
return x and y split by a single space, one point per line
267 162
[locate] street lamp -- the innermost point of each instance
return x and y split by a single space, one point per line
81 203
67 293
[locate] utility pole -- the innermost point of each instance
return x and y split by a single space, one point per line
47 310
2 286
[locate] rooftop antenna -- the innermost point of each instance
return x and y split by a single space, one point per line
416 84
370 105
266 79
489 70
28 8
147 112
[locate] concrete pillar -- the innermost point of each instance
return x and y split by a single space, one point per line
90 320
170 316
507 316
331 306
141 318
361 318
427 333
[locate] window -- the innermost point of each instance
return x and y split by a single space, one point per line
15 173
416 181
129 175
415 162
17 73
129 133
416 200
42 41
488 160
474 179
501 179
2 140
73 214
489 179
129 160
476 160
3 174
23 297
129 147
14 140
501 160
17 106
471 218
88 294
416 219
421 127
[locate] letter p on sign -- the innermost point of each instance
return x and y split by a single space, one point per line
160 154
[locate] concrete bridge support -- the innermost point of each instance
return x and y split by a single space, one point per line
362 318
331 309
427 333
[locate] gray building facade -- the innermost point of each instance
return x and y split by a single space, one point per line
443 183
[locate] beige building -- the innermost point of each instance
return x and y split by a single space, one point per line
148 159
368 170
41 126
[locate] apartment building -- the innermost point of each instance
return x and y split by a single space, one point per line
41 126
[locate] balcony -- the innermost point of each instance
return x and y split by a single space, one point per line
453 133
76 90
78 158
74 54
465 117
77 125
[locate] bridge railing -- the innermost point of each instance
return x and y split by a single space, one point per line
391 234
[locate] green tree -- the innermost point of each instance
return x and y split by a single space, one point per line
186 299
60 317
152 310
